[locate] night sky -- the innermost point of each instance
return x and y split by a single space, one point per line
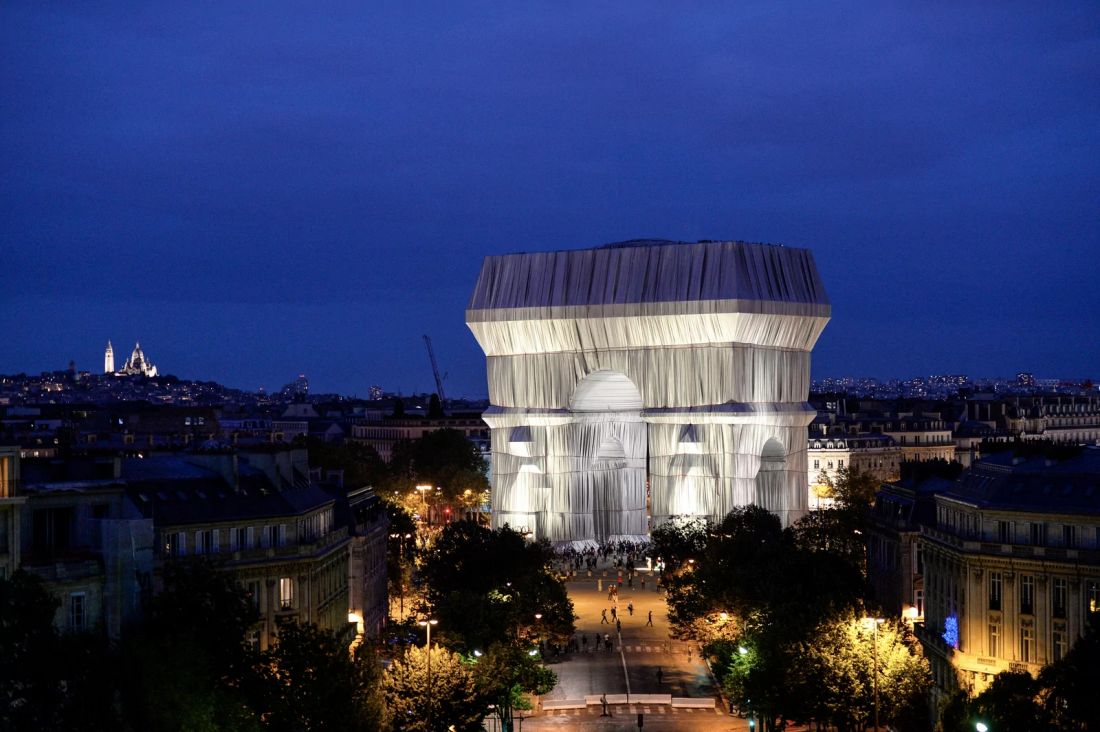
255 190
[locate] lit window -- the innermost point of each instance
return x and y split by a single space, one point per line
1027 643
1059 641
994 639
286 593
1092 596
994 590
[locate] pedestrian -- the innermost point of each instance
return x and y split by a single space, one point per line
603 703
603 616
630 582
660 675
618 626
650 621
630 608
584 641
689 654
614 613
643 583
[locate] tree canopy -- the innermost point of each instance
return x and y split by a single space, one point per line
487 586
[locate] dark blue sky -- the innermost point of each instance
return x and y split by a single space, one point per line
260 189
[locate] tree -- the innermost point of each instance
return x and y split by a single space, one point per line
452 698
679 539
30 689
1069 684
835 679
360 463
487 586
504 674
186 665
308 680
1011 703
855 489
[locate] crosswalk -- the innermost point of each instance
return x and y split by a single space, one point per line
633 648
629 709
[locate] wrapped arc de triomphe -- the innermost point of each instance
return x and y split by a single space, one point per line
686 365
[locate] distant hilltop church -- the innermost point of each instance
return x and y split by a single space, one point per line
136 365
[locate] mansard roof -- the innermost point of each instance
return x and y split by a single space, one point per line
1005 481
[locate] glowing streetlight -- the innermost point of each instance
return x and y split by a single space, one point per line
428 648
742 650
981 727
875 622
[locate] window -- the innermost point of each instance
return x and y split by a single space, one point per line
276 535
994 590
286 593
1027 594
919 598
209 541
174 544
830 464
1027 643
994 639
1058 597
1059 642
254 595
1069 536
840 464
241 538
250 534
817 465
1092 596
76 612
1038 534
1004 532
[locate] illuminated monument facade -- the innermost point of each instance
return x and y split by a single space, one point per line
684 364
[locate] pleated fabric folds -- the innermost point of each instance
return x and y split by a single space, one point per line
681 366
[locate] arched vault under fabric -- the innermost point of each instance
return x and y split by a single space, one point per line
684 365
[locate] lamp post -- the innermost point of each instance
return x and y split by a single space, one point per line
424 499
981 727
875 622
428 649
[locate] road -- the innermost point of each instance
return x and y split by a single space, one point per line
639 651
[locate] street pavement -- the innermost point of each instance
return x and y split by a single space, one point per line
631 667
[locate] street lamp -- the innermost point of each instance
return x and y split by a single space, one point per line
428 649
424 498
742 650
875 622
981 727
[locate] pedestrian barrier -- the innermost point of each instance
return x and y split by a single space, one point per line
650 698
611 699
683 702
554 704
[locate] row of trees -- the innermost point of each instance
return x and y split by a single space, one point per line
443 458
780 614
187 665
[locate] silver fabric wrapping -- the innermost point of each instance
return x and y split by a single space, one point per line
687 364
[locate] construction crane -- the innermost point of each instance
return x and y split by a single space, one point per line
435 371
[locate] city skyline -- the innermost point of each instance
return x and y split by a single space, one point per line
255 193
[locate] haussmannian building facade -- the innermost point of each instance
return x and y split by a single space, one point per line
1011 567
